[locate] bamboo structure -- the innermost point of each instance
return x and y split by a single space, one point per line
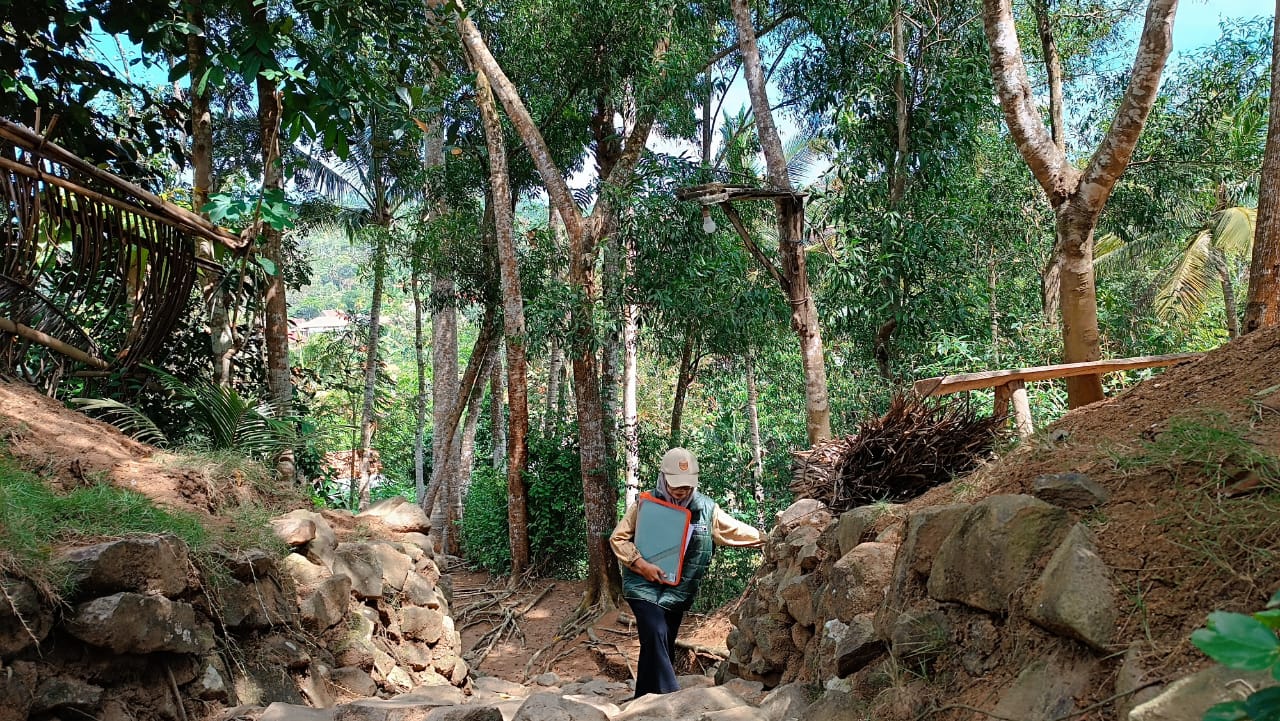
94 270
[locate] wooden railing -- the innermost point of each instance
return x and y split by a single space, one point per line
1011 386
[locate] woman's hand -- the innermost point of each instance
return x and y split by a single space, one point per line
649 571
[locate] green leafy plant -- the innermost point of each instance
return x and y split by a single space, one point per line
1248 643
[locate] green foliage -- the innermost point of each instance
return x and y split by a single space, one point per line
34 520
485 541
1248 643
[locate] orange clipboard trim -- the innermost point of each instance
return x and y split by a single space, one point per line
684 532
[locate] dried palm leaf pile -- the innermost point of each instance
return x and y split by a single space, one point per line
913 447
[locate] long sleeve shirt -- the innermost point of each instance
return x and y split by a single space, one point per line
725 531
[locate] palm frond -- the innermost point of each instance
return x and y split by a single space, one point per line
1184 292
1233 230
131 421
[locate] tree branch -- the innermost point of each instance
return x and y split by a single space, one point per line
1116 149
732 213
1048 165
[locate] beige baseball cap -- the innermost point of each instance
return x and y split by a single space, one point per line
680 467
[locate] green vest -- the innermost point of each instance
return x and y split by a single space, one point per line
697 558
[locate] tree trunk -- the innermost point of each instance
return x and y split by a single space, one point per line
804 312
992 308
1079 302
497 413
1262 306
630 409
467 456
1053 72
279 376
221 340
444 393
420 401
555 373
757 448
1228 296
513 330
611 351
684 378
898 188
1077 197
371 365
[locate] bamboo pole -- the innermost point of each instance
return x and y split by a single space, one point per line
52 343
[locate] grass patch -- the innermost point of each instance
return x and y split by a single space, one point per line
1208 444
34 520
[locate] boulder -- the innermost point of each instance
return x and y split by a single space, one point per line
210 683
501 687
320 549
25 620
133 623
993 549
786 703
925 530
422 624
797 595
398 514
1069 490
1046 690
470 712
292 712
1132 679
315 686
773 638
396 565
740 713
305 573
143 564
358 562
1074 596
604 705
857 582
65 693
752 692
685 704
254 606
1189 697
420 592
552 707
251 565
858 646
420 541
855 524
17 691
327 605
294 532
919 636
806 511
263 683
831 706
352 681
281 651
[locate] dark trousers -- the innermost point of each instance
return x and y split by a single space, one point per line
657 628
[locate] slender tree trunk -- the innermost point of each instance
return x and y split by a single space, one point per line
555 372
497 413
1228 297
221 340
279 376
1053 72
757 448
992 308
804 311
517 449
444 394
1262 306
420 401
611 352
684 378
467 459
902 108
630 414
367 420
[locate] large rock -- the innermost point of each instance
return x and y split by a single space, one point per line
993 549
806 511
327 605
319 550
210 683
262 684
685 704
66 693
352 681
856 583
292 712
470 712
294 532
358 562
797 595
17 691
405 707
254 606
926 529
1046 690
1074 596
304 572
1188 698
398 514
552 707
144 564
396 565
858 646
421 592
133 623
787 702
918 636
251 565
1069 490
422 624
25 619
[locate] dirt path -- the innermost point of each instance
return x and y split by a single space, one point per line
609 650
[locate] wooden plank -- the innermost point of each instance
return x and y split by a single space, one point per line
1001 407
943 385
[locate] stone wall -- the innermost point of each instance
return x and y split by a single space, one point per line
144 627
894 610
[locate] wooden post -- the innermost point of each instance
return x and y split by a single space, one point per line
1021 409
1001 408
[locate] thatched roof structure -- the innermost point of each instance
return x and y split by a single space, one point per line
94 270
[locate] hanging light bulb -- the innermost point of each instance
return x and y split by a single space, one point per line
708 223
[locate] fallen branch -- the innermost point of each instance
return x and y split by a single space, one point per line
719 653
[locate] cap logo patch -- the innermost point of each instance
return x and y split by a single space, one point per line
684 465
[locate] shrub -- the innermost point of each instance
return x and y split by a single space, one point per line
1248 643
